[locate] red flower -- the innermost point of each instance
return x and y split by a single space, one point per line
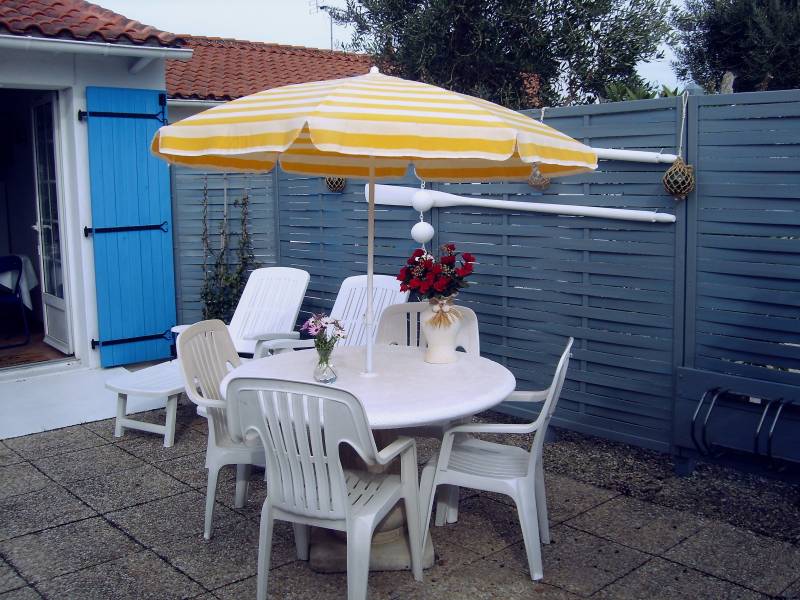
449 260
414 284
441 284
424 287
436 268
403 287
450 247
404 273
467 257
464 271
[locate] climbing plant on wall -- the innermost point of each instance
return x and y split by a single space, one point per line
225 269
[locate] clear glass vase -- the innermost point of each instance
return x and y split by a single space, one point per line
324 371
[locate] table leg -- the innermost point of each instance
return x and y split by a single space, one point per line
122 411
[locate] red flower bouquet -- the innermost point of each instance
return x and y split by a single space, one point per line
430 277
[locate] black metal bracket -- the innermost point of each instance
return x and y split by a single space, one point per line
159 116
757 433
163 226
704 449
781 404
167 335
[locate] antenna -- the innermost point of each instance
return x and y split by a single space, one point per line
315 8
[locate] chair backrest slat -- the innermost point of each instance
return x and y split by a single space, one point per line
207 355
400 325
302 426
351 304
270 303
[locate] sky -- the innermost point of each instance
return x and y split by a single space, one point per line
296 22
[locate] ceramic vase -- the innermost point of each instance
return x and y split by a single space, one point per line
440 324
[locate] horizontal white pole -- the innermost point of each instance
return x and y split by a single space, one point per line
395 195
634 155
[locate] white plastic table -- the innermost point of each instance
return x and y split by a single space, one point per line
405 390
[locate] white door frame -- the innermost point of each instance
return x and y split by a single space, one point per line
64 305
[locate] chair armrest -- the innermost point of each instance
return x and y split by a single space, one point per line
178 329
209 403
267 347
394 449
524 396
271 335
493 428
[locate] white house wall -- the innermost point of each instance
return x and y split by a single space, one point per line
33 398
70 74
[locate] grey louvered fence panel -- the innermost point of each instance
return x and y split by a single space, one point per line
610 284
325 233
744 234
187 197
541 278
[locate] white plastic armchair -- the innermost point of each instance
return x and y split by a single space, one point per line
267 309
470 462
307 484
399 325
206 354
349 308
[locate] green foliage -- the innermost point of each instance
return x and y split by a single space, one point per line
224 276
618 91
757 40
518 53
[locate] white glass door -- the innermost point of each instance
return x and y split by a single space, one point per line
48 226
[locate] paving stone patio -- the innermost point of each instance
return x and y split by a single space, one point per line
84 515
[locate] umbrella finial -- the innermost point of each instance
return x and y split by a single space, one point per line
374 69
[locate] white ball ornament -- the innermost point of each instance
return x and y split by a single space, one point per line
422 201
422 232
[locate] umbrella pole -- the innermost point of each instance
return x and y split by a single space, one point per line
370 314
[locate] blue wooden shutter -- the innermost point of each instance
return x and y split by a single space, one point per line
131 225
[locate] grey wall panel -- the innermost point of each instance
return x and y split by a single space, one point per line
224 189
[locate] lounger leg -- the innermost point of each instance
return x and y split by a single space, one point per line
169 424
122 411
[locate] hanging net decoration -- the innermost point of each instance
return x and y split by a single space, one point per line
335 184
538 181
679 180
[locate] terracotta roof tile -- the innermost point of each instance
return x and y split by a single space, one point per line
77 20
223 69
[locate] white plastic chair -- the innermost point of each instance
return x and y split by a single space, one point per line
307 484
206 355
349 308
267 309
469 462
399 325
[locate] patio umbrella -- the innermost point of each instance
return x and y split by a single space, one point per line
371 126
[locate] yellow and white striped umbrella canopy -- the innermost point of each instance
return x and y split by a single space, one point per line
341 127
